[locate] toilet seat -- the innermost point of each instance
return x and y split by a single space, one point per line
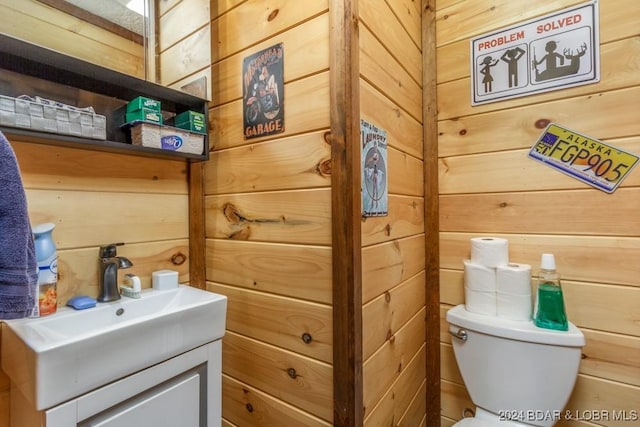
486 419
475 422
472 422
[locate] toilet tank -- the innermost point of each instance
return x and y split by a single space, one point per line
515 368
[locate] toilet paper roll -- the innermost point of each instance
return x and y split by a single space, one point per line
514 307
480 302
478 277
514 279
490 251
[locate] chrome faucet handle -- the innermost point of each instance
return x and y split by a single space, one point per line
110 250
124 262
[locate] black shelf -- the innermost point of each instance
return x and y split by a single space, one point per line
70 141
34 70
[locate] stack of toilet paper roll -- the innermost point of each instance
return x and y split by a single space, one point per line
492 285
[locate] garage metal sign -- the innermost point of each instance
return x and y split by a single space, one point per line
589 160
551 52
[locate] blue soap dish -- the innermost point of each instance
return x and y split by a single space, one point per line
81 302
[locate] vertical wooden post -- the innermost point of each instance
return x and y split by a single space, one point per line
197 249
151 31
345 199
432 261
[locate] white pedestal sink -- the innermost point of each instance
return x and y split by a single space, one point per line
67 354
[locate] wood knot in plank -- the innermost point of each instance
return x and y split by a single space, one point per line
273 15
387 230
178 258
232 214
327 137
324 168
242 234
503 205
542 123
445 166
390 337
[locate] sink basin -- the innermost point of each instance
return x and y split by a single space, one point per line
61 356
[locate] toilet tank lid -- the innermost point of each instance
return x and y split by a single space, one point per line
513 329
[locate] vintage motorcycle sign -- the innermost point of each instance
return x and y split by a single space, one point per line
263 92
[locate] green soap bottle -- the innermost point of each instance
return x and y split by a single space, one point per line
549 310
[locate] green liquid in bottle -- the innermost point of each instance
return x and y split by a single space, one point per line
550 312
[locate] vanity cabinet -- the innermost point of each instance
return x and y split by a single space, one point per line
27 69
183 391
156 358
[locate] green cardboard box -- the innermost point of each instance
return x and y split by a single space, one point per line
145 115
192 121
142 102
192 126
190 116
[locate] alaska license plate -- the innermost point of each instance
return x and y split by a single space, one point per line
589 160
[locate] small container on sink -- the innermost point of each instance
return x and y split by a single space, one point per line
164 279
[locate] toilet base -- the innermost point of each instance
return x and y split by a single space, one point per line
487 419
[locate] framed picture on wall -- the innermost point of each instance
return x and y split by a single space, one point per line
375 176
263 92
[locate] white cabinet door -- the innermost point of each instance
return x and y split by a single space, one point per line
183 391
175 403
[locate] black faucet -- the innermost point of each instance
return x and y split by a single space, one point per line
108 279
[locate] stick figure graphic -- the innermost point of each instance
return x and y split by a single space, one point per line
486 72
552 69
511 57
551 61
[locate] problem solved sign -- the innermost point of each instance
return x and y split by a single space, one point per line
551 52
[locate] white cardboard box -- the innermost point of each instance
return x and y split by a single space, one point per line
166 138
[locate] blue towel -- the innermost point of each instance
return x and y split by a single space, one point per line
18 267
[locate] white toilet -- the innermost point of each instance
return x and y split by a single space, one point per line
517 374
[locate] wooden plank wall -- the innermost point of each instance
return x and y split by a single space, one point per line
268 219
5 399
43 25
489 187
183 45
393 249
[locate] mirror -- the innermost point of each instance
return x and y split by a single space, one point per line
110 33
124 17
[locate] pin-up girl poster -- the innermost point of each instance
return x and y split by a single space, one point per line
374 170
